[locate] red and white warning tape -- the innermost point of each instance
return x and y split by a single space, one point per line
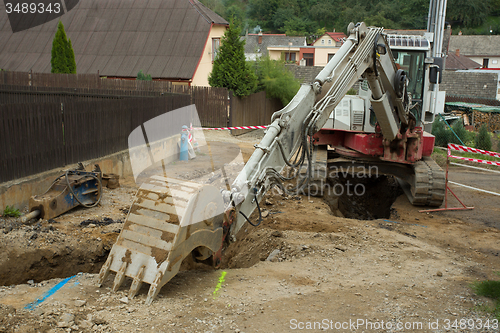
229 128
452 146
475 160
472 150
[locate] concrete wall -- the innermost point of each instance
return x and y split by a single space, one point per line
17 192
474 84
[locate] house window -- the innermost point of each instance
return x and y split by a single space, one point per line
309 57
322 42
329 42
485 62
215 47
330 56
289 56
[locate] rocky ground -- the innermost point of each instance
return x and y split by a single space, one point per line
302 269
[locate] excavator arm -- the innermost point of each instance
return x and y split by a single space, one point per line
365 54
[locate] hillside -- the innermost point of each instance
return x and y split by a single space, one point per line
312 17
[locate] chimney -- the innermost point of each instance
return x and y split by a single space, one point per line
457 52
260 37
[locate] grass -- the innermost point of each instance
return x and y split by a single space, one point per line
490 289
11 212
439 156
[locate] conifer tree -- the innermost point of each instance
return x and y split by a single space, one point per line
70 56
62 55
483 139
230 70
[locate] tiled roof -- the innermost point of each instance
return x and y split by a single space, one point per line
454 62
476 45
337 36
405 32
252 42
164 38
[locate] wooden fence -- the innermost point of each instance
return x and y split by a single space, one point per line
10 94
51 120
255 110
36 137
212 104
85 81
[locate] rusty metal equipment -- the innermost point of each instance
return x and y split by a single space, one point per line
73 188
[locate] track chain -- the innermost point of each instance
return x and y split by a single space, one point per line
429 184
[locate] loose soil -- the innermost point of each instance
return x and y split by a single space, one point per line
406 267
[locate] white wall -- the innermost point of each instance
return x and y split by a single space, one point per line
200 77
491 62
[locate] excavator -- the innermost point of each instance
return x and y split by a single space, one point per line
171 219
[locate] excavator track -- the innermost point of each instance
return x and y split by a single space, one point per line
167 221
428 184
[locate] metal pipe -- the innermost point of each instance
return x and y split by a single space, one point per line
29 216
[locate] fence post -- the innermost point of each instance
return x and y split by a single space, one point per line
230 108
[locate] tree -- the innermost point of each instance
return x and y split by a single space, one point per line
144 77
443 136
460 132
483 139
467 12
230 70
62 55
276 80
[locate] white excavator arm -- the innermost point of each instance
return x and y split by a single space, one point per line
366 54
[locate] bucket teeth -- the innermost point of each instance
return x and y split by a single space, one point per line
120 276
136 283
154 239
103 274
153 289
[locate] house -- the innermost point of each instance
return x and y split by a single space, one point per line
174 40
323 49
293 49
277 46
483 49
456 61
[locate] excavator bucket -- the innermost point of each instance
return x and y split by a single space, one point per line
169 220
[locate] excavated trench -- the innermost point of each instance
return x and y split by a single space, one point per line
367 198
43 251
36 253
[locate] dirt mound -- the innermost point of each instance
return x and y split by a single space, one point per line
253 246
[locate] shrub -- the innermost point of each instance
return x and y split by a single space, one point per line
460 131
483 138
351 91
143 77
11 211
443 136
276 80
